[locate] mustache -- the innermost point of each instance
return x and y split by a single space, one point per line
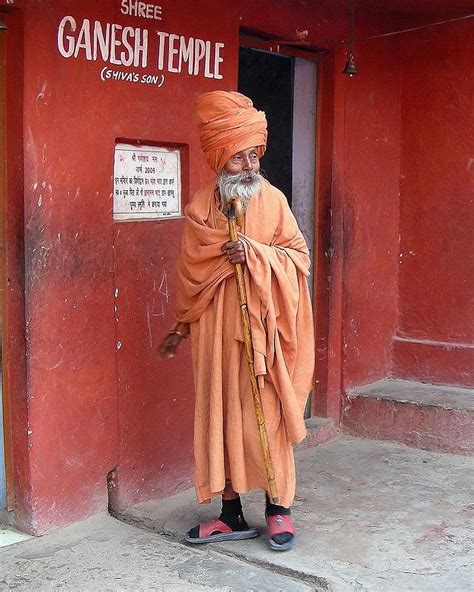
242 185
239 177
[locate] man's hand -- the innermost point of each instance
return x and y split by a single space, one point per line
235 251
170 343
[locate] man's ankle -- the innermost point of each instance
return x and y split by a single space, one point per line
232 514
274 509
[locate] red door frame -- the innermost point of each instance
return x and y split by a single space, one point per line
14 342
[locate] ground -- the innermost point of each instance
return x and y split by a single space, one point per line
370 515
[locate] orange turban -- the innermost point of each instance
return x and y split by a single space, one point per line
228 123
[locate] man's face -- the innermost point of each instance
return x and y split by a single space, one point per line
244 161
240 178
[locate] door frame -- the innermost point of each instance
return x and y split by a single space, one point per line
5 445
14 362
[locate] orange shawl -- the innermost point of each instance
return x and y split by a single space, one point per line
277 291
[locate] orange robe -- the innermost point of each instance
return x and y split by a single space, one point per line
226 440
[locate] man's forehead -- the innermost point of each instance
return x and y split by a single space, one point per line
251 149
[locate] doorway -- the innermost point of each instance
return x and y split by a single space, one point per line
267 79
285 87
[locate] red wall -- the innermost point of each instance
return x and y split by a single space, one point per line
369 213
435 338
92 408
363 310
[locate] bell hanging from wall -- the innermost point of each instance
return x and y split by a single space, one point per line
350 67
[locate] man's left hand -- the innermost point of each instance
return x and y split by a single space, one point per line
235 252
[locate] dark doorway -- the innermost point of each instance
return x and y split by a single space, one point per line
285 88
267 79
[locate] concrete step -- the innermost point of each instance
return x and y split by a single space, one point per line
320 430
428 416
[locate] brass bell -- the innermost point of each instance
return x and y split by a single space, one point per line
350 67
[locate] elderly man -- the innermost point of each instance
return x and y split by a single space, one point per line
227 450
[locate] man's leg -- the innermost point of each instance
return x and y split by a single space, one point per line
229 493
231 524
231 512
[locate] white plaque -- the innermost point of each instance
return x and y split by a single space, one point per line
147 182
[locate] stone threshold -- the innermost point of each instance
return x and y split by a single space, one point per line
417 393
427 416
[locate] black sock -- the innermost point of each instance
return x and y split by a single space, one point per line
274 510
232 515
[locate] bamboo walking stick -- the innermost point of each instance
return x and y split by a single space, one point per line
235 211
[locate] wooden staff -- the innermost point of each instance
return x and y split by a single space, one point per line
235 210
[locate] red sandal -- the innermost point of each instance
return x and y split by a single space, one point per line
216 531
279 524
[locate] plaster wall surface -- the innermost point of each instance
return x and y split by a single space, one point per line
89 282
435 338
370 212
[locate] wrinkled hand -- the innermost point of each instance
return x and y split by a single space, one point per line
170 343
235 252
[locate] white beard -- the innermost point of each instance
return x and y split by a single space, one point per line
238 186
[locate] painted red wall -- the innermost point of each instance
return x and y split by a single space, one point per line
435 339
72 410
82 421
91 408
363 310
369 213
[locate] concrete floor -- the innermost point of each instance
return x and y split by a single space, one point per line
370 516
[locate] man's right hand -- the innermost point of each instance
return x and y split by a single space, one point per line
170 343
235 251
